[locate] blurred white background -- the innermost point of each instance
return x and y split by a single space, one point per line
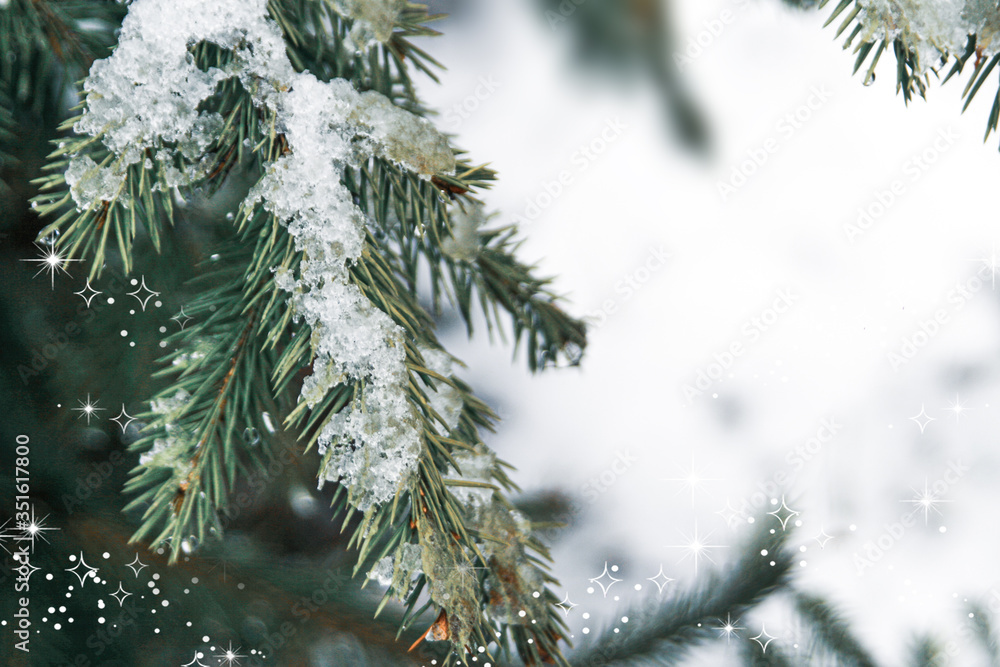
856 298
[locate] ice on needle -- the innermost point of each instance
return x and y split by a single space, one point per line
144 100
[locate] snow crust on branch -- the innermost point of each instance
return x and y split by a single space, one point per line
464 243
145 99
373 19
933 28
172 451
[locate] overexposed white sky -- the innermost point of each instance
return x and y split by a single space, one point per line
853 302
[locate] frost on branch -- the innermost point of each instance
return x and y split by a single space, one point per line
445 400
932 28
464 242
400 569
174 450
144 100
511 581
373 19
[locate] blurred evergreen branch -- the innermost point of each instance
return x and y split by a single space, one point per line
925 653
831 632
663 633
754 656
634 36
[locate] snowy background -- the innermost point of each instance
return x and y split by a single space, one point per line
917 283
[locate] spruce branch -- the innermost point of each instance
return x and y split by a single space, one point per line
914 35
396 429
217 391
831 631
663 632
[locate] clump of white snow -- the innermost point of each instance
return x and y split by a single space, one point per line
146 96
89 183
374 20
400 568
445 400
464 243
476 466
933 28
173 450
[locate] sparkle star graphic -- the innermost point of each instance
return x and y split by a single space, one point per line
50 261
660 579
957 408
33 528
182 318
566 605
925 500
922 419
230 657
88 293
147 294
784 514
763 639
25 570
120 594
221 562
128 419
82 570
728 629
599 580
729 514
88 409
5 535
195 662
823 538
137 566
992 263
697 547
693 479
